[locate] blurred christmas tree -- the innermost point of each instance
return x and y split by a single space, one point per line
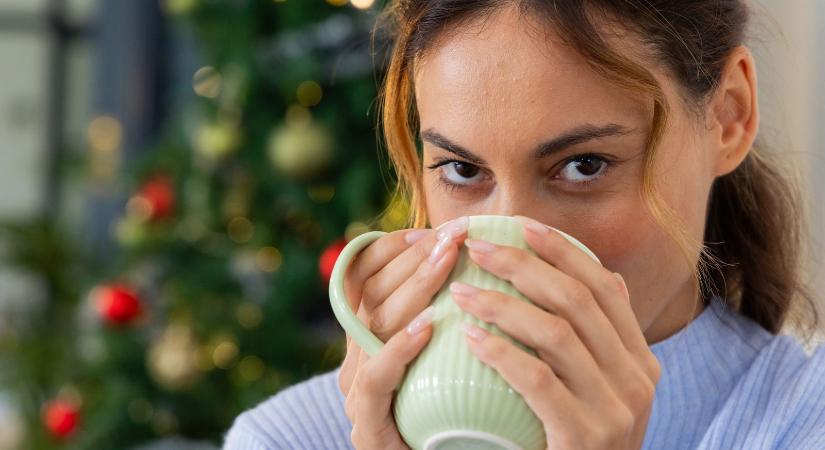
217 298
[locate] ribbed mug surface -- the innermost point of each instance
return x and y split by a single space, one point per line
447 388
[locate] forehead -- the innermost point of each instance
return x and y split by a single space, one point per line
507 72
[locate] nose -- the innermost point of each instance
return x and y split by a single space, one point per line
509 201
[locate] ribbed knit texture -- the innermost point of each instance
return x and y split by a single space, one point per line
726 384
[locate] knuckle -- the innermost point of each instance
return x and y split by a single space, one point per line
654 368
641 395
491 349
349 407
518 255
513 258
379 324
356 436
423 248
623 421
648 390
599 438
610 432
421 276
579 296
369 293
613 284
509 266
559 334
344 382
489 306
539 377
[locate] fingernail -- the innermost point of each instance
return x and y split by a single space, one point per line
421 321
460 288
532 224
453 228
415 235
439 249
475 333
480 246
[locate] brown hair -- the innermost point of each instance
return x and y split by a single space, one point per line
754 231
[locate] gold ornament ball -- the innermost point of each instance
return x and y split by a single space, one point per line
130 232
217 140
172 358
301 149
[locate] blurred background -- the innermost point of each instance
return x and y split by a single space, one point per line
177 178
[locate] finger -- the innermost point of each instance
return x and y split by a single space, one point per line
350 401
415 293
354 359
379 286
349 367
557 343
557 292
378 378
375 256
609 291
552 337
543 391
360 358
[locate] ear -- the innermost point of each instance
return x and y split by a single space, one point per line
733 112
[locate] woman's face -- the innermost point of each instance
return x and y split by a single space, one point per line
514 124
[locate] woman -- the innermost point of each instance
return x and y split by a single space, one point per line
630 125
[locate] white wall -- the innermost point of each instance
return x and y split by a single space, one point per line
787 40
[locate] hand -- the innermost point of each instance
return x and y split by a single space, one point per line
369 405
593 380
394 279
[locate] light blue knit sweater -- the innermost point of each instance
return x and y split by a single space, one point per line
726 384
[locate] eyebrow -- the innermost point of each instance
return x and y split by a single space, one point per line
574 136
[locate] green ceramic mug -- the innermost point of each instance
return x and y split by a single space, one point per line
449 399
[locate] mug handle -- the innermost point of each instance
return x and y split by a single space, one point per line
340 306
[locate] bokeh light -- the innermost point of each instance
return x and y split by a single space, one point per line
105 134
268 259
225 353
309 93
362 4
207 82
249 315
240 229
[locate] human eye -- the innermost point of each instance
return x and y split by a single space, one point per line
455 174
583 169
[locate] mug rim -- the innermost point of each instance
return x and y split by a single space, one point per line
570 238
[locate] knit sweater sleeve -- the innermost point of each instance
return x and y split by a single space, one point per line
779 404
308 415
805 400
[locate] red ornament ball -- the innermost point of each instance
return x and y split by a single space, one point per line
158 196
328 257
61 418
117 304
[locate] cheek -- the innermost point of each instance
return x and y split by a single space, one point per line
621 237
630 241
627 239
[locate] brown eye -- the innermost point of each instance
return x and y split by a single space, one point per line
589 165
583 169
456 173
465 170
